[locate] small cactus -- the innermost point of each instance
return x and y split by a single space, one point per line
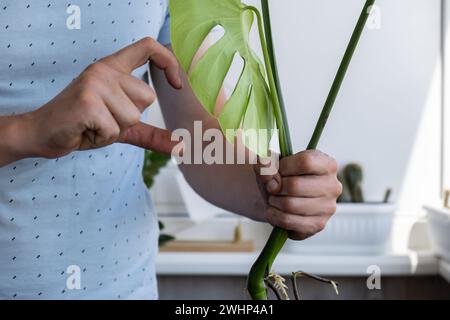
351 178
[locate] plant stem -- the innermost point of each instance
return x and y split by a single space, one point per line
275 97
261 267
273 62
256 284
340 75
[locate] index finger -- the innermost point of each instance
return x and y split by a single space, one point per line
139 53
150 138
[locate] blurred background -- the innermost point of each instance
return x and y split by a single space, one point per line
392 239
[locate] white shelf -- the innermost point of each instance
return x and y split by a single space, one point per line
411 263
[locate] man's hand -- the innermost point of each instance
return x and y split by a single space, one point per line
103 106
302 196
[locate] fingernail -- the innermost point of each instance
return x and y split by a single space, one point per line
272 186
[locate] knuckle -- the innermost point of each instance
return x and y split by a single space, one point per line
306 161
285 221
333 167
338 188
329 209
287 204
320 226
86 100
96 68
149 41
87 81
333 207
332 186
147 97
134 118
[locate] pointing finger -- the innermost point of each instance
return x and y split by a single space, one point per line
149 137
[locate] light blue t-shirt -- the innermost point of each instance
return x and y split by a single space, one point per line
81 226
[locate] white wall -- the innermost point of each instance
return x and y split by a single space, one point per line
387 116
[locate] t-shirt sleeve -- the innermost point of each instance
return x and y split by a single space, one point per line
164 32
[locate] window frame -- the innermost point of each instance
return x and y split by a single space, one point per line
445 125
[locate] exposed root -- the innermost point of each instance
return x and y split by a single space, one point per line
277 284
298 274
271 286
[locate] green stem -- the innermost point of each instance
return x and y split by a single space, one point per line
260 269
273 62
340 75
275 97
256 284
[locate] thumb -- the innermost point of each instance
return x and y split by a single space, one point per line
139 53
149 137
272 183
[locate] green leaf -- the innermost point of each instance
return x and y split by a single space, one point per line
153 163
249 106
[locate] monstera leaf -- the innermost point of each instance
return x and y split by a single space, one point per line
249 107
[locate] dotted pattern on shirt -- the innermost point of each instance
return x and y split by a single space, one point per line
89 209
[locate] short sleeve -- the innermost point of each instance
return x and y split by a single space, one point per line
164 32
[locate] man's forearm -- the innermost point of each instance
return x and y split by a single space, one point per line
231 187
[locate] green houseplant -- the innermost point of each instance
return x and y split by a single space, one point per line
256 102
351 177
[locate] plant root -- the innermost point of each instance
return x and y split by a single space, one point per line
299 274
277 284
